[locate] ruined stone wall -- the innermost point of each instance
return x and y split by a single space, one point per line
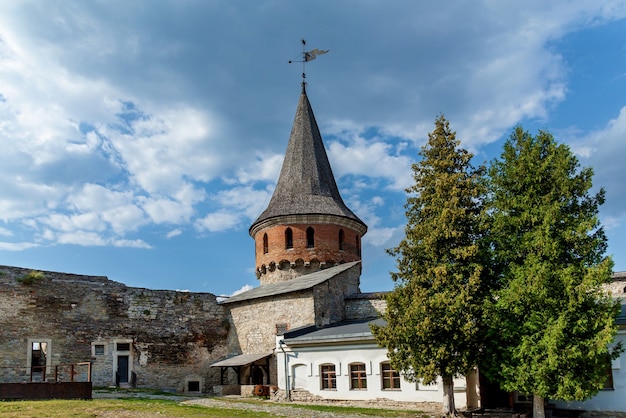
365 305
330 296
172 336
254 323
617 287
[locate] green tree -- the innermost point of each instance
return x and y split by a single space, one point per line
551 321
434 312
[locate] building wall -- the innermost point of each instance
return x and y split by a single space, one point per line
254 321
611 399
172 336
366 305
304 365
330 296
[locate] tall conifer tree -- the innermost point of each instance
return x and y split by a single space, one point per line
551 321
434 312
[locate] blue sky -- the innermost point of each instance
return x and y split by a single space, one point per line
140 139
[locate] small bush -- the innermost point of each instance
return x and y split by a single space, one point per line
30 278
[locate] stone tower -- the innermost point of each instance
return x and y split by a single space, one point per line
306 226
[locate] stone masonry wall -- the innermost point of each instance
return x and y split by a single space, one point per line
172 336
365 305
330 306
254 322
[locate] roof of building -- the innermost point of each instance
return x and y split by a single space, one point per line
306 185
342 332
304 282
241 360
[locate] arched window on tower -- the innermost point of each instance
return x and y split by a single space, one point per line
341 239
310 237
266 247
288 238
358 246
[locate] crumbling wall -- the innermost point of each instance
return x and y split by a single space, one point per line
366 305
172 336
330 296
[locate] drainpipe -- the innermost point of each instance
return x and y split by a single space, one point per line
287 391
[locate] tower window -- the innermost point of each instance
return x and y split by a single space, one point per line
310 237
288 238
265 244
358 246
341 238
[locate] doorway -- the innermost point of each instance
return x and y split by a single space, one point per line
122 369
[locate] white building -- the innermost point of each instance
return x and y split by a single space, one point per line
343 362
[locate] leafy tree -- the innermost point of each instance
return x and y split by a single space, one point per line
551 322
434 312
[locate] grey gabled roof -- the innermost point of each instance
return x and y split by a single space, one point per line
306 185
343 332
304 282
240 360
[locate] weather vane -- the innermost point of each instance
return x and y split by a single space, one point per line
307 56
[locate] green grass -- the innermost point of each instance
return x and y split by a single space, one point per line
142 408
122 408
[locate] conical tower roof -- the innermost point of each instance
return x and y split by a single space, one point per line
306 185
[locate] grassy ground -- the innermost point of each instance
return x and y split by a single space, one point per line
134 407
142 407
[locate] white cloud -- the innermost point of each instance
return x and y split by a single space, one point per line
173 233
17 246
604 151
246 201
382 236
167 211
123 219
83 221
217 221
160 148
244 288
134 243
83 238
260 169
371 158
5 232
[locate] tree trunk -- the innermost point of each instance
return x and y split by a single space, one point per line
449 409
538 409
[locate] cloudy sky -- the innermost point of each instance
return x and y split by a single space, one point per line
140 139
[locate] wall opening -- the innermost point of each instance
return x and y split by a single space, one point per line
310 238
288 238
123 363
38 358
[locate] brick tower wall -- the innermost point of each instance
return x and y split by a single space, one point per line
275 262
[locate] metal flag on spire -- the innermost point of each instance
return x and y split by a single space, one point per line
312 54
307 56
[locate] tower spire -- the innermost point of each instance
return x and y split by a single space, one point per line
306 225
